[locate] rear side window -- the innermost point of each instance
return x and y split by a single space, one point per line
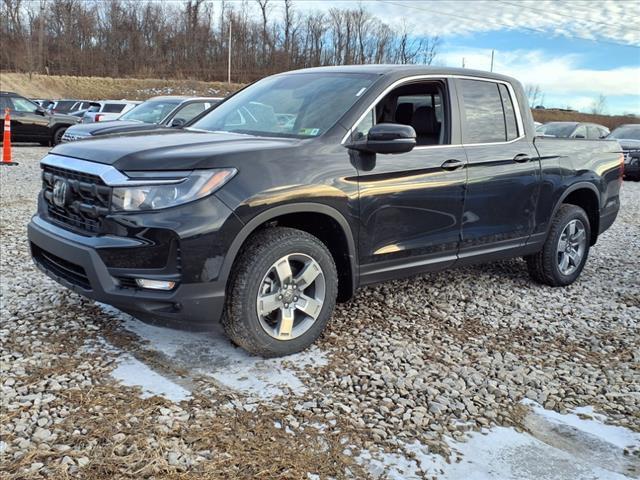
483 112
113 108
581 132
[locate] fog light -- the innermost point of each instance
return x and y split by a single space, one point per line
155 284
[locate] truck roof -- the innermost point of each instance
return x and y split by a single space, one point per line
385 69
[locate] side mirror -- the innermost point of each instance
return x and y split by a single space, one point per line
178 122
40 111
579 136
387 138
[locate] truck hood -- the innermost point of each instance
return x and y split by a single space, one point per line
114 126
172 149
629 144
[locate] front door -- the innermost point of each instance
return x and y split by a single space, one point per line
411 204
503 170
27 121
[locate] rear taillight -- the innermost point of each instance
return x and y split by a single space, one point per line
98 117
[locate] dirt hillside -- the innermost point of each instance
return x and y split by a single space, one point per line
609 121
94 88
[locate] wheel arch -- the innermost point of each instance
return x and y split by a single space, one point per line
342 246
586 196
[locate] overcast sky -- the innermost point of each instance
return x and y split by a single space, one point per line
575 50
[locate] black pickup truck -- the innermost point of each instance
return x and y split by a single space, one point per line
32 123
300 188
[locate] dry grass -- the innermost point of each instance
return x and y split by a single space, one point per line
242 444
609 121
60 86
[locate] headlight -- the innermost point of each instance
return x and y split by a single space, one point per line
170 193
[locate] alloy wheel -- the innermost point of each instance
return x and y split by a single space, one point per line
571 247
291 296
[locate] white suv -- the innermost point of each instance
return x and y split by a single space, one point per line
104 110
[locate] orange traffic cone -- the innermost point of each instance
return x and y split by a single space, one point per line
6 140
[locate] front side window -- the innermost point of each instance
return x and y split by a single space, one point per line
23 105
151 111
192 110
362 129
483 112
417 104
290 105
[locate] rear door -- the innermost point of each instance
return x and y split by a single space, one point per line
503 170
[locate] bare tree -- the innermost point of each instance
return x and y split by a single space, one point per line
182 39
534 95
599 105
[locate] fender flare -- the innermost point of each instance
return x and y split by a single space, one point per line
569 191
272 213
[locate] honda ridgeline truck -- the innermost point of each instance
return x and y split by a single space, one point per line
265 211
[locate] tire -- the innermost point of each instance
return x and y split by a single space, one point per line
546 266
287 329
57 136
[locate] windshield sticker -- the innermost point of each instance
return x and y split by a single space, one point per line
309 131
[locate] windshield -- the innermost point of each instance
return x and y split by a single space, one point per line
151 111
629 132
561 130
295 105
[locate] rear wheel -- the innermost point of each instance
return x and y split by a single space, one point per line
565 251
282 292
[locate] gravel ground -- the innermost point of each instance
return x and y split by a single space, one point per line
428 362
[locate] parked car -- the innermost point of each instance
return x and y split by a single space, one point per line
68 105
629 138
32 123
247 217
157 112
106 110
591 131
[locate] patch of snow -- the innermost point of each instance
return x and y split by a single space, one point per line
618 436
212 354
134 373
392 466
561 447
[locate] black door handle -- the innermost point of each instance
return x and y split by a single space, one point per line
521 158
452 164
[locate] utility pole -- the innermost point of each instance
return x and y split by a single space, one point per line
462 62
41 38
492 52
229 58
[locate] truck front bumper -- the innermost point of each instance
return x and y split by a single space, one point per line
74 261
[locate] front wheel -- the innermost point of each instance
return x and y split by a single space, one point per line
282 292
566 249
57 136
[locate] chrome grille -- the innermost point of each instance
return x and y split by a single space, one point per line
88 199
